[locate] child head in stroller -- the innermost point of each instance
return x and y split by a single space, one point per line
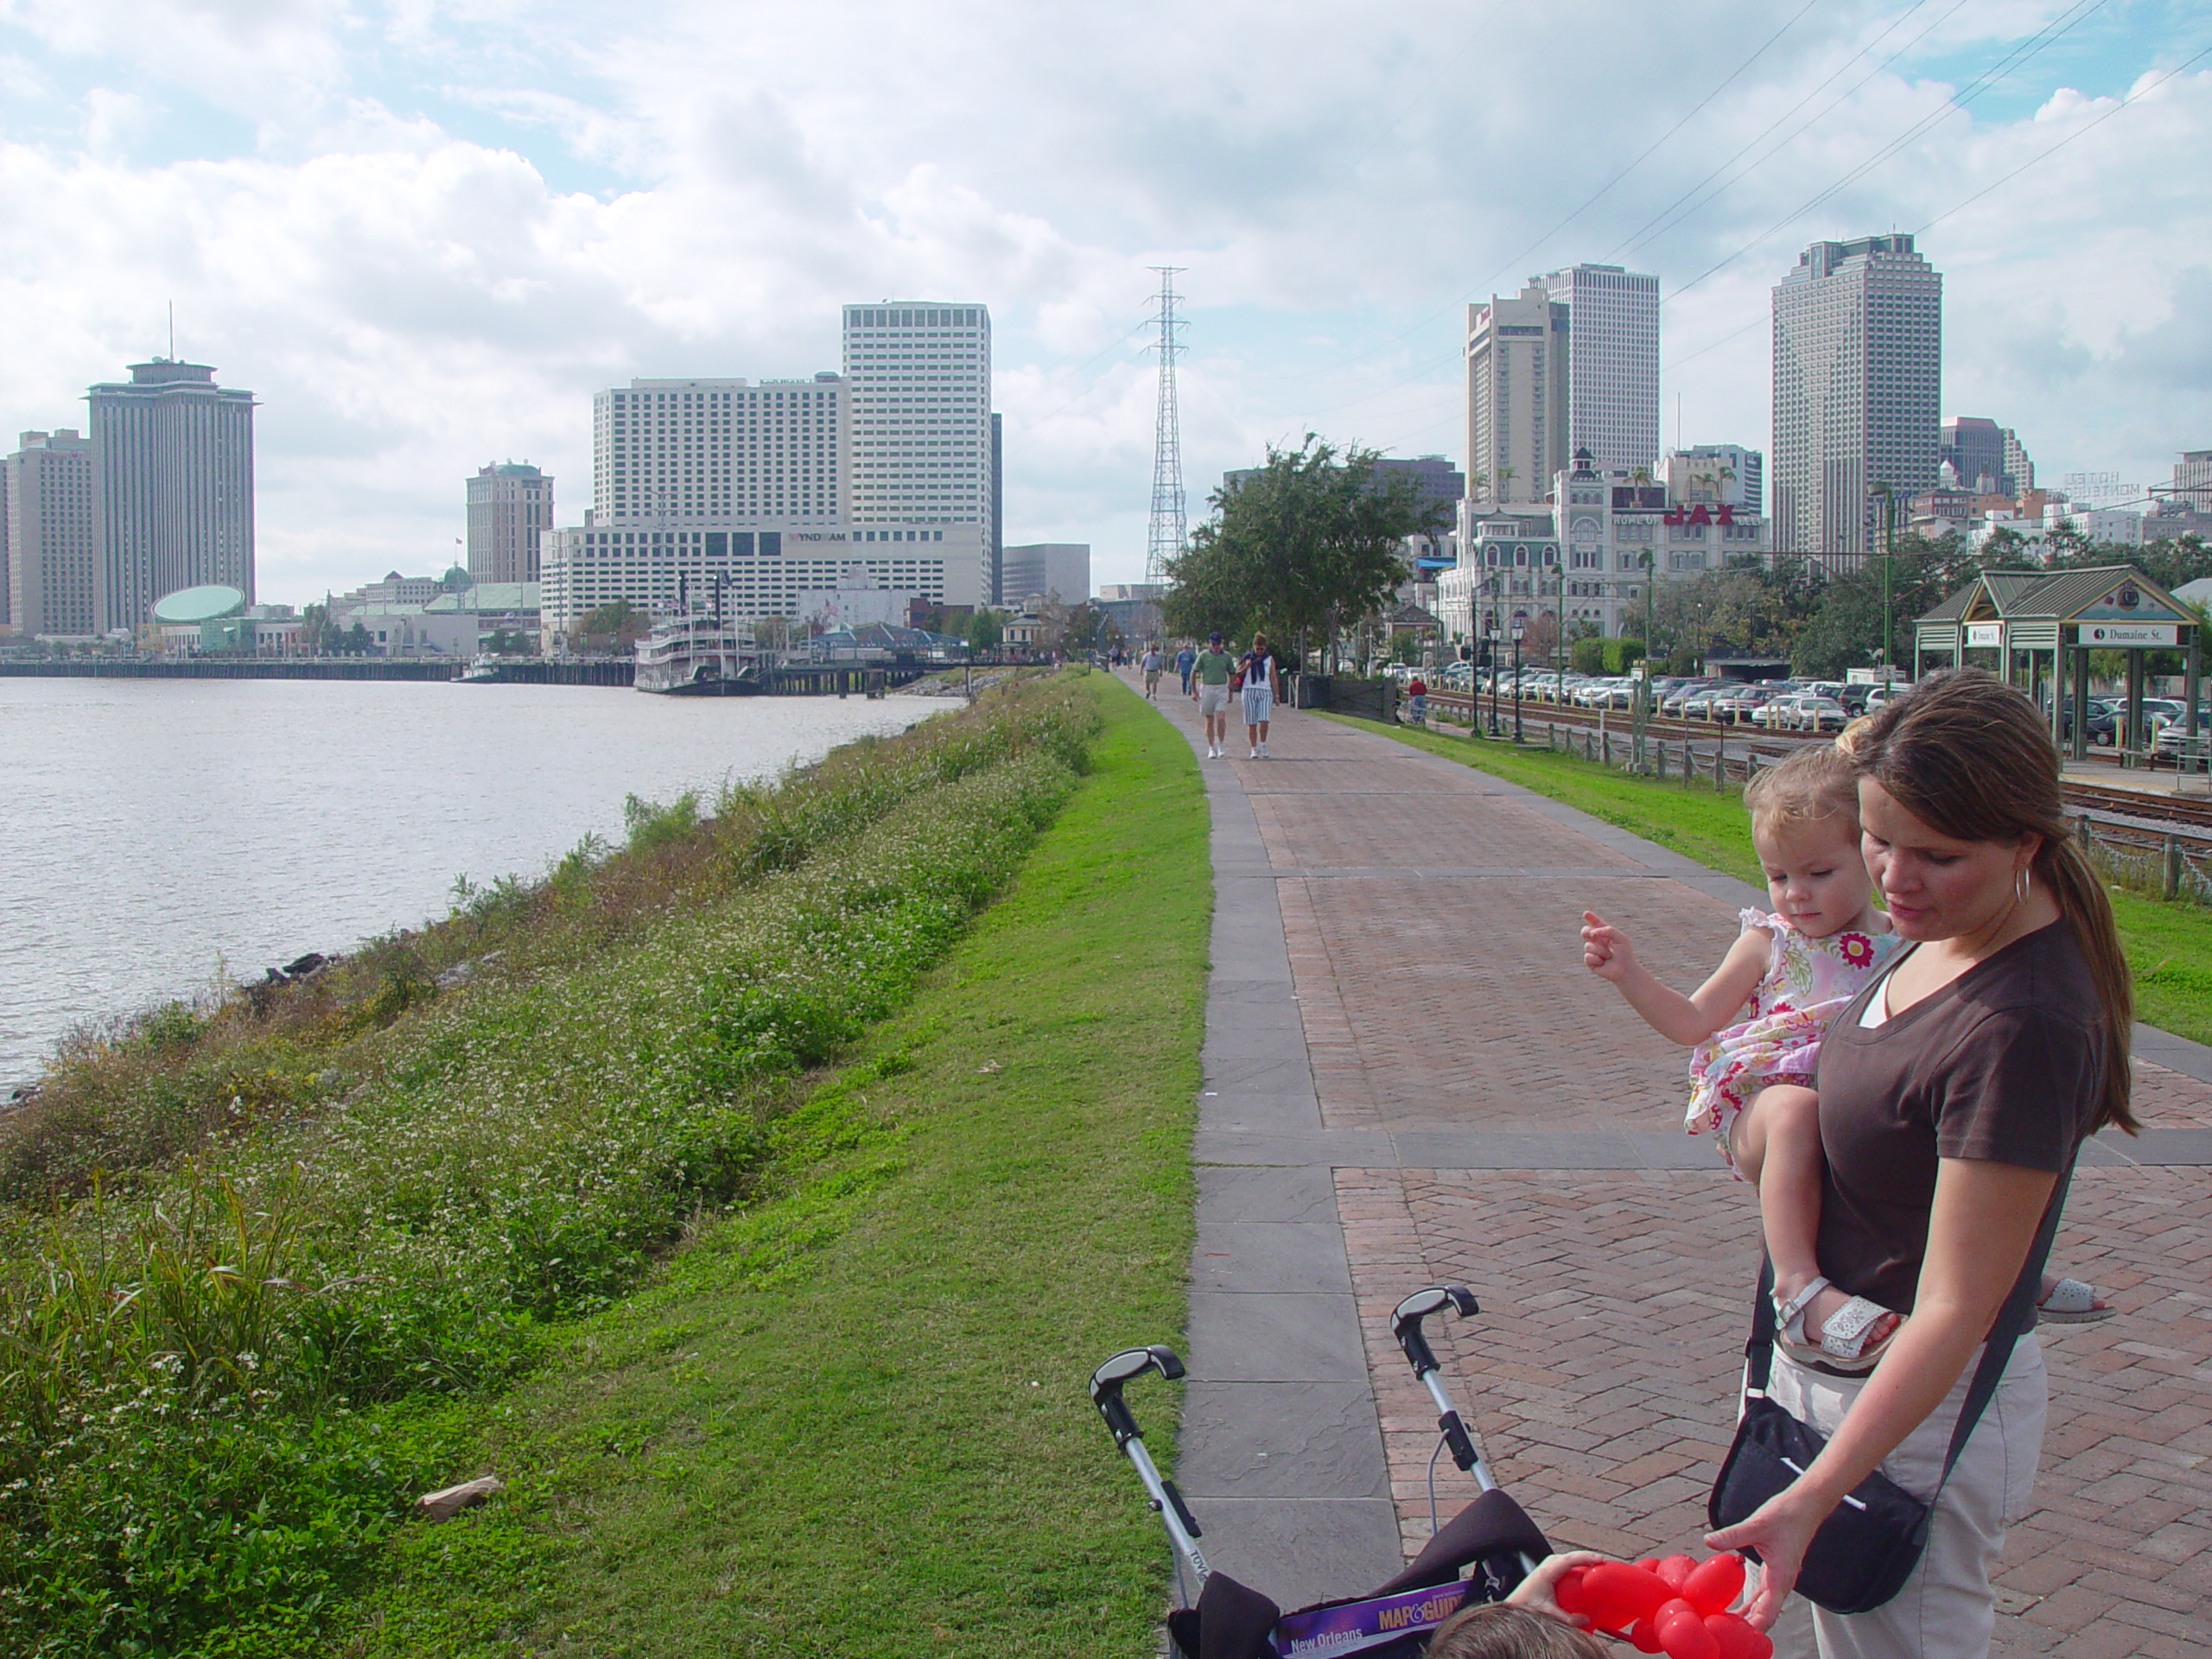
1527 1625
1497 1547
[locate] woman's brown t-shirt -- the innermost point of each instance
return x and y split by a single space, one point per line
2004 1064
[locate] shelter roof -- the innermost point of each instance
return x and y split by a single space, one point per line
2101 592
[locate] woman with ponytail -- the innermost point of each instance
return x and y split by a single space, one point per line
1953 1094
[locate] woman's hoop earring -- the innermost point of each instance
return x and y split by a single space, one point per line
2021 883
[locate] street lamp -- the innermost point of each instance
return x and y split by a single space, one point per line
1489 631
1519 628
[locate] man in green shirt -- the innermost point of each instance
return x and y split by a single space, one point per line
1211 672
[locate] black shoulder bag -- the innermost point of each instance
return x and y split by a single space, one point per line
1867 1549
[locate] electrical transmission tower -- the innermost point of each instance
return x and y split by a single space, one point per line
1167 441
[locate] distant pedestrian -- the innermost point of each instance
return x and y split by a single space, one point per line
1417 700
1152 673
1185 660
1211 669
1258 667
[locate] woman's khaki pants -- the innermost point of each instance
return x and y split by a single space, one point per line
1945 1610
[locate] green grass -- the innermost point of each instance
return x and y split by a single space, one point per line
2168 944
851 1419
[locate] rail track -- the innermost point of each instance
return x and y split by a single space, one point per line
2133 816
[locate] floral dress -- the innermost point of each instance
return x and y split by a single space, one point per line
1807 984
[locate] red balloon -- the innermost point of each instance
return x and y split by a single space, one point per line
1731 1635
1568 1593
1672 1609
1616 1595
1715 1584
1650 1564
1644 1636
1676 1571
1687 1638
1764 1648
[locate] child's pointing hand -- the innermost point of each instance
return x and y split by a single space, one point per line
1605 950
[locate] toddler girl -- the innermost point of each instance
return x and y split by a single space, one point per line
1750 1078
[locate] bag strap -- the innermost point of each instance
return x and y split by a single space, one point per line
2014 1320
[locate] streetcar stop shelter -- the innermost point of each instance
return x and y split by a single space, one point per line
2022 624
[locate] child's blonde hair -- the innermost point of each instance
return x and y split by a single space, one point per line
1498 1630
1813 786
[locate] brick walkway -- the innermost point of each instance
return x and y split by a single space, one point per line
1429 915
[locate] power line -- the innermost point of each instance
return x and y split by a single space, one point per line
1513 264
1695 198
2134 98
2012 59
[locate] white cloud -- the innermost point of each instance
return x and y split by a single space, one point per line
431 231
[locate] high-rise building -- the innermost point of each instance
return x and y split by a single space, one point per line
1517 397
994 587
1717 472
52 578
1857 385
1612 372
1058 570
1985 458
672 452
510 506
1436 481
921 445
172 488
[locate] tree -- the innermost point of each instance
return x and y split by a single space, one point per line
1308 544
614 626
984 630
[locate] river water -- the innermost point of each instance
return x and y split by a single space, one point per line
155 833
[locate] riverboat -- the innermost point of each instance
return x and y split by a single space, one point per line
695 655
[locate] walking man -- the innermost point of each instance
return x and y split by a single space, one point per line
1210 669
1185 660
1152 673
1259 667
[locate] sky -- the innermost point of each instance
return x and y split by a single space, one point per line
424 233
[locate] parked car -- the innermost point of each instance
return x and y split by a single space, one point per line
1808 712
1672 702
1699 705
2170 743
2103 722
2159 713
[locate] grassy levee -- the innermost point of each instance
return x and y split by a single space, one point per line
271 1267
850 1422
2169 944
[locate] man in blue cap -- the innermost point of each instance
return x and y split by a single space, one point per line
1211 672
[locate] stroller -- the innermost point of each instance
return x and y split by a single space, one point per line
1492 1535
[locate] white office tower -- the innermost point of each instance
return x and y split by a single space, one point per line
672 452
1717 472
1053 570
1612 374
920 373
172 488
1517 353
1858 382
52 547
510 510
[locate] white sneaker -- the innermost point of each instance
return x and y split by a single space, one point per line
1255 755
1263 751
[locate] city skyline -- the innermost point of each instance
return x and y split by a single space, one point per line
423 247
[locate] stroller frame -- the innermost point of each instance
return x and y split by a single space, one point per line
1226 1620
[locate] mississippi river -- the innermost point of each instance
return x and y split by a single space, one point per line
155 834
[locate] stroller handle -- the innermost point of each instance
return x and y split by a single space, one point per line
1405 1324
1106 1385
1406 1317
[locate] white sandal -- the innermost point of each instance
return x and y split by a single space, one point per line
2072 1302
1843 1344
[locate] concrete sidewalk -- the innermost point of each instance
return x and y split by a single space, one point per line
1410 1079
